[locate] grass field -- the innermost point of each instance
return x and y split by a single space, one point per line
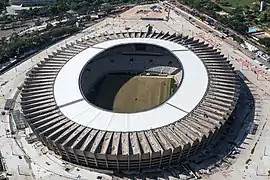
236 3
125 93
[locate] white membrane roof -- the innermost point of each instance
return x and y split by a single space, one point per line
73 105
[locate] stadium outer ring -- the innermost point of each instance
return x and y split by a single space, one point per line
74 106
130 150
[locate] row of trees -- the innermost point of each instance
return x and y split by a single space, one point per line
224 3
80 7
239 18
266 43
19 47
3 4
235 21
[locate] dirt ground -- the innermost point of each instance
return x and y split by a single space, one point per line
124 93
144 11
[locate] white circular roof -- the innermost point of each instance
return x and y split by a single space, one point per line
73 105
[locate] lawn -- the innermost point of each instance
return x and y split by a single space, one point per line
236 3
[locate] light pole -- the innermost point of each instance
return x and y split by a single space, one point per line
3 95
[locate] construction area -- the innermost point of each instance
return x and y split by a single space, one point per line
146 12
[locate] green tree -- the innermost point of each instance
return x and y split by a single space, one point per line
265 41
3 4
49 26
38 22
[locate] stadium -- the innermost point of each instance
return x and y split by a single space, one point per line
130 101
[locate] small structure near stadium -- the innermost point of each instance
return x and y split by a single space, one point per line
130 101
147 12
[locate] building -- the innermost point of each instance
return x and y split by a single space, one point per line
18 119
66 119
31 2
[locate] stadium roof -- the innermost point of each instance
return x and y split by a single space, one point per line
73 105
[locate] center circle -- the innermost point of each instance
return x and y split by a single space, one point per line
130 78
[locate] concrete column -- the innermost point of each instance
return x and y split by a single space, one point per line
85 158
75 155
161 157
171 157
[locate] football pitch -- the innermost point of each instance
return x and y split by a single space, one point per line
126 93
